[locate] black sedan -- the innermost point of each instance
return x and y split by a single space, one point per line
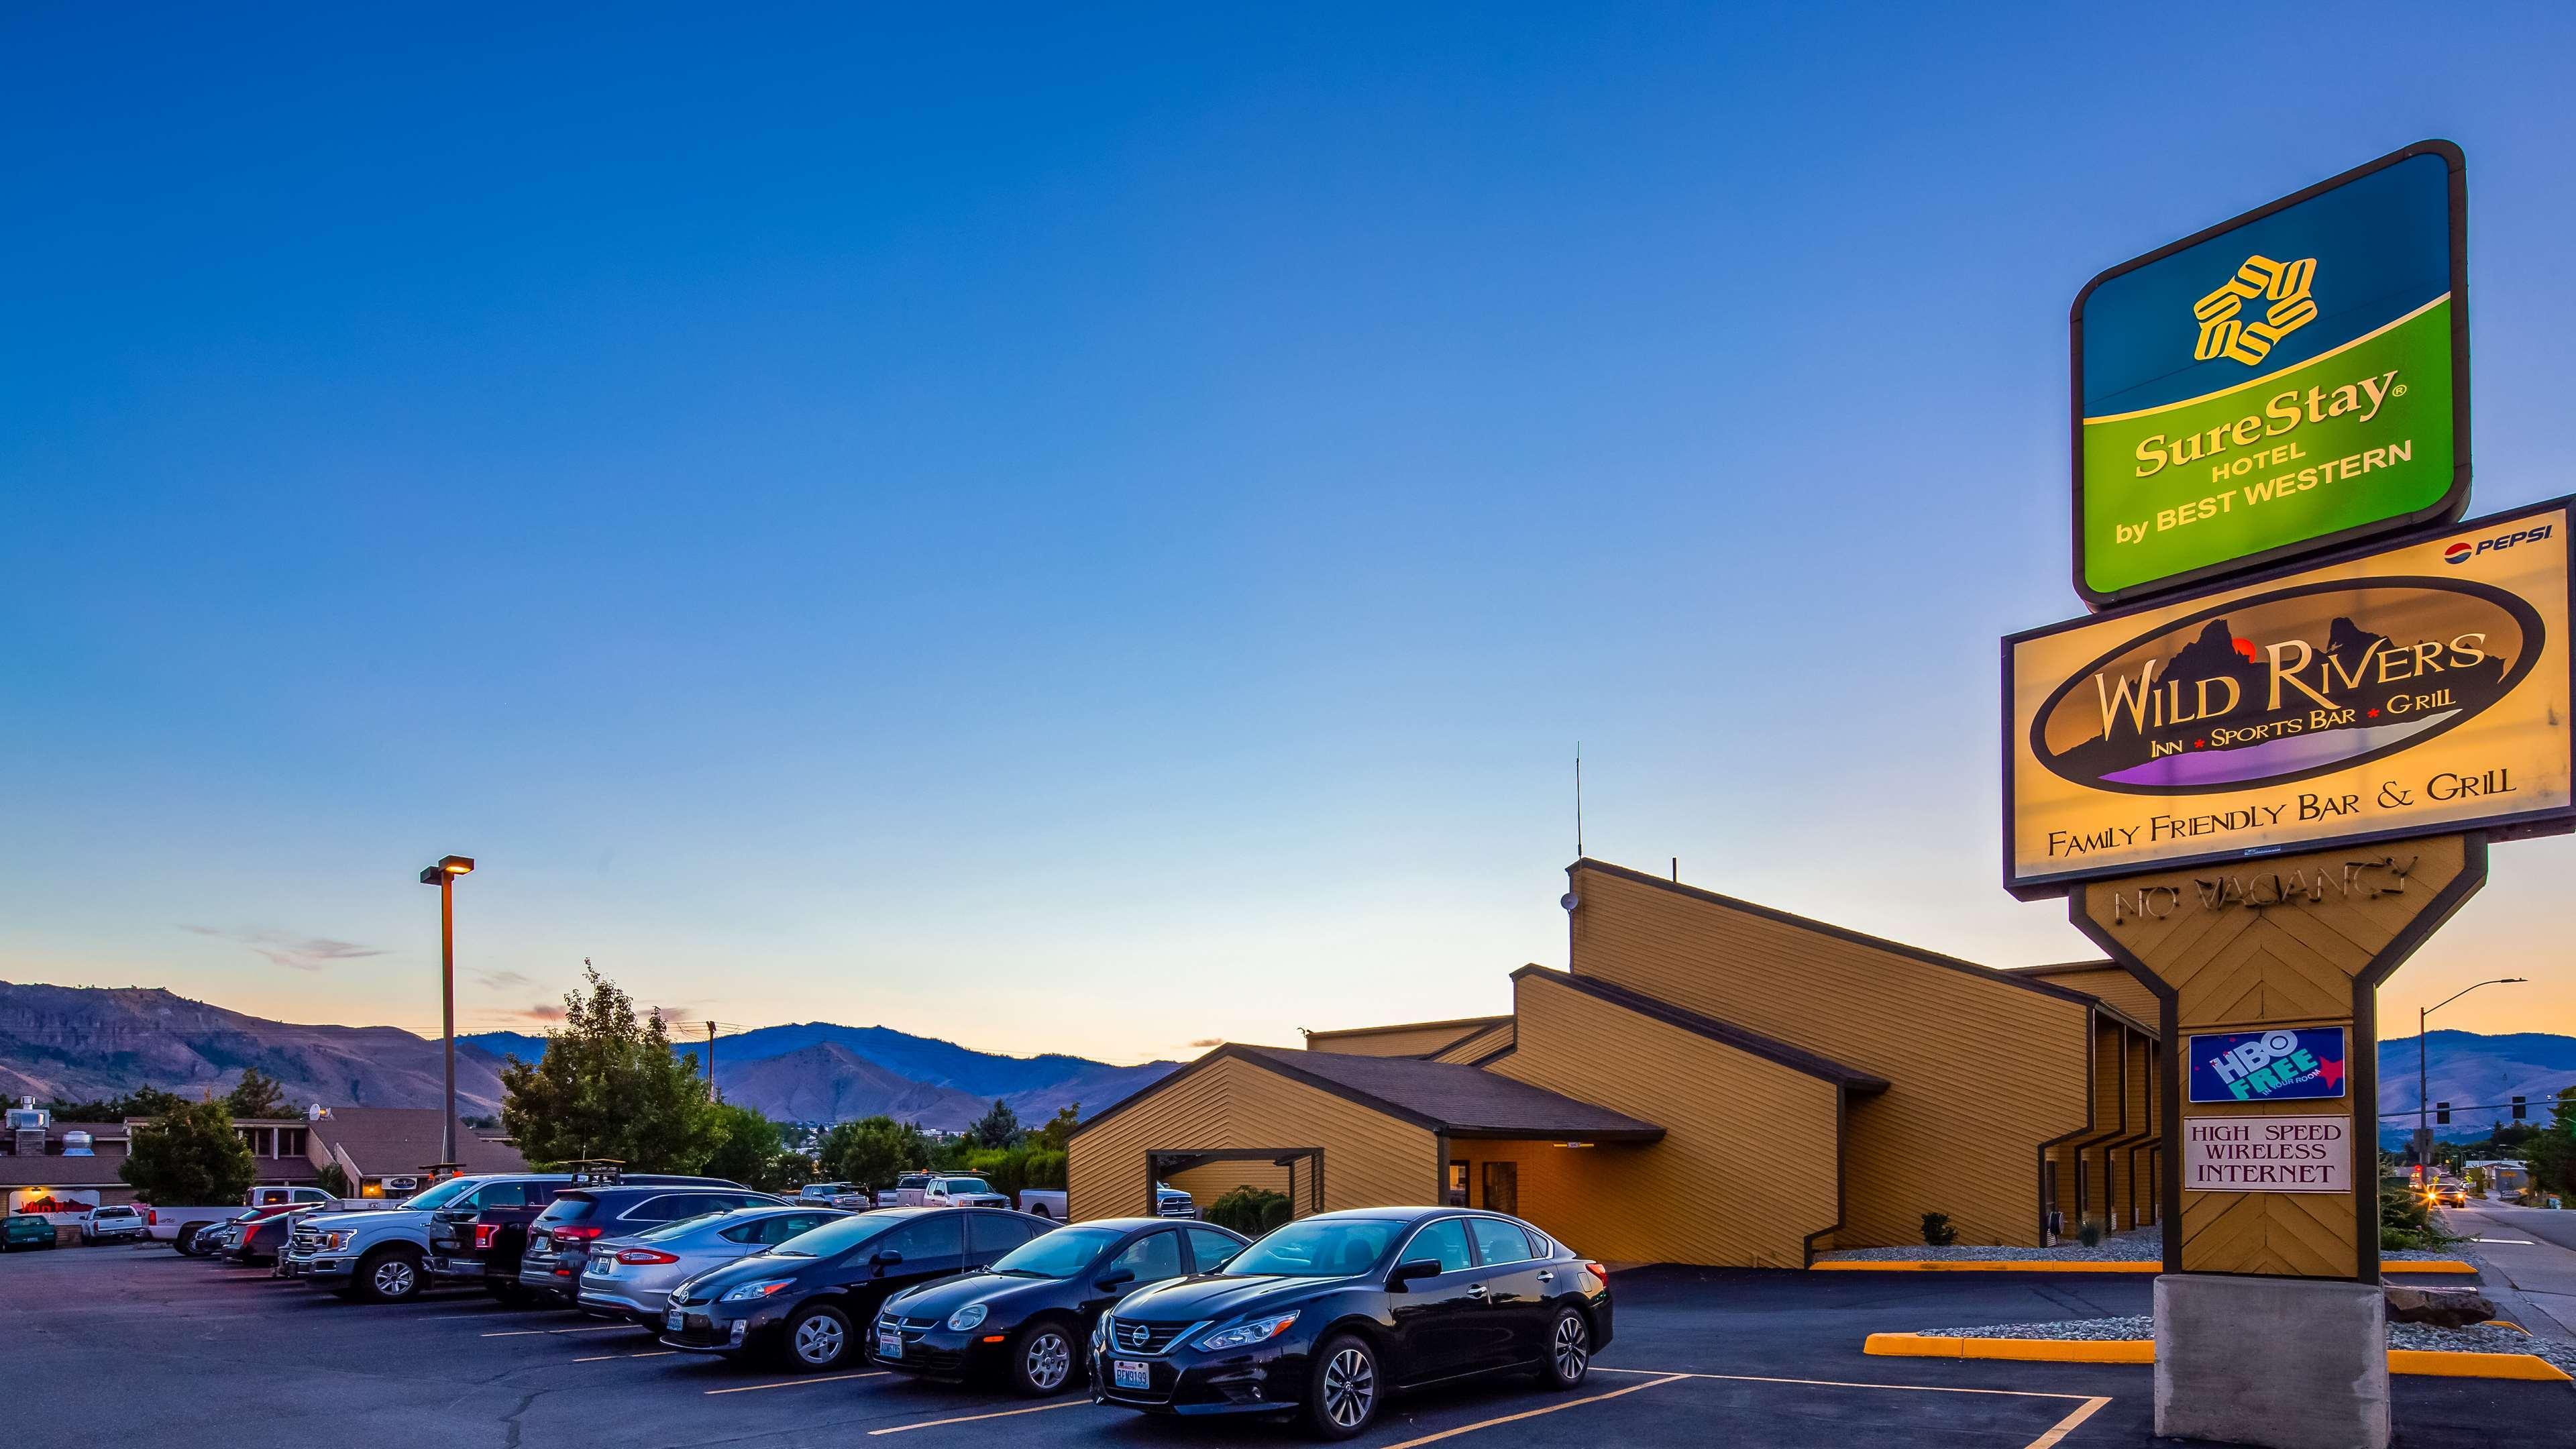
1326 1316
1031 1313
809 1299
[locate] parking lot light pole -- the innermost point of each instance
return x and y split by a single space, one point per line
443 875
2423 1129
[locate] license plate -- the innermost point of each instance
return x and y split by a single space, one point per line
674 1319
889 1343
1126 1373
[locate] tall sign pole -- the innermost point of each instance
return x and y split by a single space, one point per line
2271 763
443 875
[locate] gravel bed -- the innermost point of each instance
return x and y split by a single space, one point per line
2137 1245
2479 1338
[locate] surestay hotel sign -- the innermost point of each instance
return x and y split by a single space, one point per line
2288 381
2417 685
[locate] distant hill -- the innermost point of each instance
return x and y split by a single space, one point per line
1035 1086
87 1043
2468 1070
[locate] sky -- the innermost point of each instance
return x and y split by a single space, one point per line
1100 530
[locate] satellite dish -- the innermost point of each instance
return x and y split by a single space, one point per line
1566 900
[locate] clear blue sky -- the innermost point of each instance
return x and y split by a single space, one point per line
1100 531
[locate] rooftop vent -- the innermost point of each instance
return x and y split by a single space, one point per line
76 1144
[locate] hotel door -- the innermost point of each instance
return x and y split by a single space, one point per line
1503 1187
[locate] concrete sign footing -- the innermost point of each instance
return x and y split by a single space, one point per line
2285 1363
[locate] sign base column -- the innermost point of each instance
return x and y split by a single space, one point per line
2288 1363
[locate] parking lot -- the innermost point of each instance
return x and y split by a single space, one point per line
143 1348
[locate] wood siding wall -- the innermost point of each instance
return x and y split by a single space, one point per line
1476 1048
1746 1168
1983 1069
1389 1041
2123 992
1370 1159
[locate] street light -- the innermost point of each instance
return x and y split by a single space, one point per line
443 875
2423 1129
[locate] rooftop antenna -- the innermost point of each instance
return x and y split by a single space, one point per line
1578 799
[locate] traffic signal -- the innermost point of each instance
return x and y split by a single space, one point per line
2442 1113
2517 1109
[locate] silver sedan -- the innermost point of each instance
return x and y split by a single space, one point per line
632 1277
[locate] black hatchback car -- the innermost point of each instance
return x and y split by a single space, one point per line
1327 1315
809 1299
1030 1315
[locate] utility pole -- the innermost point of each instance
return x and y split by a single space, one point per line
712 1090
443 875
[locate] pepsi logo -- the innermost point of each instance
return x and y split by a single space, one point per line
2457 553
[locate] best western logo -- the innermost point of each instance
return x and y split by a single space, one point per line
2223 333
2460 553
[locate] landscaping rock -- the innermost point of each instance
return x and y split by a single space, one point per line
2440 1307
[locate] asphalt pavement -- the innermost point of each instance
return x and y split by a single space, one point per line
143 1349
2529 1257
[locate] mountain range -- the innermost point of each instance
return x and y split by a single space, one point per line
2472 1071
88 1043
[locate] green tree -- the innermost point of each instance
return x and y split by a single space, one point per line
872 1151
752 1152
608 1086
2552 1151
190 1156
141 1102
999 1127
333 1181
1058 1130
258 1094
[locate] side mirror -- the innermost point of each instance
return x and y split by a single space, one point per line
886 1258
1410 1269
1119 1279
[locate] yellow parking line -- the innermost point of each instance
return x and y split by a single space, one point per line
1841 1384
605 1357
535 1332
2066 1426
1534 1413
971 1418
799 1383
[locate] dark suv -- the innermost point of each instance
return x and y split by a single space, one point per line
478 1235
559 1240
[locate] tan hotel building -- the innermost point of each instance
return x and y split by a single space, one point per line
1709 1081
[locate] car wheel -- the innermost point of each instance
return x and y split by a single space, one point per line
391 1276
1569 1350
1042 1359
819 1338
186 1242
505 1292
1039 1210
1342 1392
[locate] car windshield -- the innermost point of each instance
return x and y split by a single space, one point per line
676 1227
969 1184
835 1236
1059 1254
1335 1248
443 1194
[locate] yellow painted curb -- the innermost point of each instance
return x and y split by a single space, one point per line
2020 1350
2475 1365
2043 1265
1970 1265
2425 1362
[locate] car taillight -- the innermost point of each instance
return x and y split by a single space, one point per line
1596 1270
483 1234
153 1221
574 1233
644 1257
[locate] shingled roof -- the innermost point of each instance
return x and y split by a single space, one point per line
1451 1098
399 1141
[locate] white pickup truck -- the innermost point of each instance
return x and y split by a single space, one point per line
176 1225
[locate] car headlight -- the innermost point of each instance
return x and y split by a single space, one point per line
751 1291
965 1319
1248 1332
1100 1334
335 1241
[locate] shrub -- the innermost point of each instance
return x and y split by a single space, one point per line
1250 1211
2090 1234
1937 1230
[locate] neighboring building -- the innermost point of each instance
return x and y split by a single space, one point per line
384 1151
2505 1175
76 1164
390 1151
1709 1082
